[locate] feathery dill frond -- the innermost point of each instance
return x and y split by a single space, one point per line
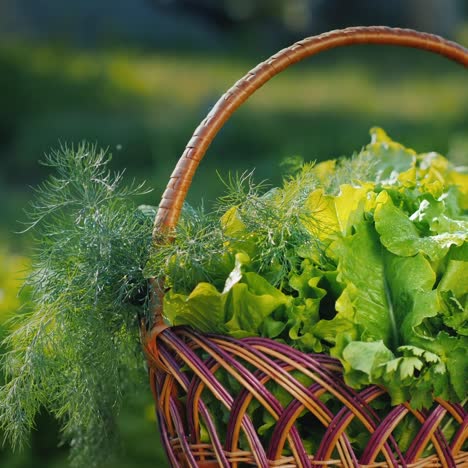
361 167
239 188
194 252
77 350
197 250
281 222
275 223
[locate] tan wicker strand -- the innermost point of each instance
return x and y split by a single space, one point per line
293 390
242 421
200 389
288 462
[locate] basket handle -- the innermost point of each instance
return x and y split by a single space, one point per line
180 180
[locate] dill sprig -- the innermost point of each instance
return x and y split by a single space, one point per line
76 352
193 252
281 222
361 167
275 222
238 189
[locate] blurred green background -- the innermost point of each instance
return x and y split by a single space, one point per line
137 77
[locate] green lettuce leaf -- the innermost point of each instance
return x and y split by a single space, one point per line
455 278
249 307
362 359
390 158
386 327
304 311
337 214
402 237
364 303
202 309
410 283
245 308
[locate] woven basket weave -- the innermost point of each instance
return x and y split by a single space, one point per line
185 366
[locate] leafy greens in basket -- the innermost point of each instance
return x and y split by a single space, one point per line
365 259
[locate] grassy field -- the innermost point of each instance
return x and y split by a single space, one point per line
144 106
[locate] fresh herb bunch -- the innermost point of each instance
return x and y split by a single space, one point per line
76 352
204 244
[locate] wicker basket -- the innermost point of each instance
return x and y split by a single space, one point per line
185 365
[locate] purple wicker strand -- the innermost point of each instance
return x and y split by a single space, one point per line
294 434
458 409
419 439
278 370
210 363
204 411
344 417
240 400
178 346
293 408
179 426
253 381
165 440
351 398
462 432
217 446
379 434
198 367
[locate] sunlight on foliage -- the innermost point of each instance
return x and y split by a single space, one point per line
13 269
